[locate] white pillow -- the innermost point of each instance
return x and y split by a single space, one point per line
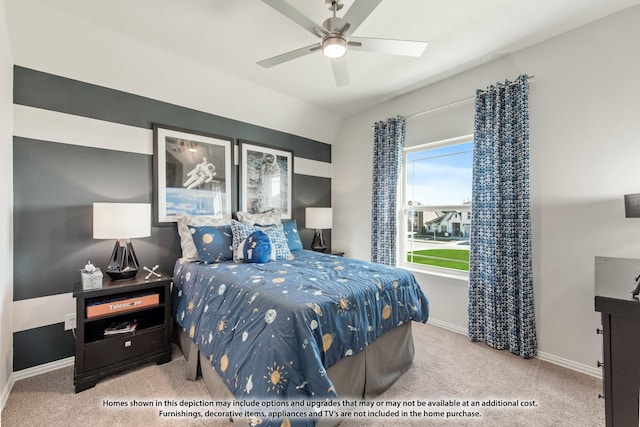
189 251
271 217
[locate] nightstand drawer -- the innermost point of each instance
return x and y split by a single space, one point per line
122 347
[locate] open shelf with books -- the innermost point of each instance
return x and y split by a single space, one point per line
146 307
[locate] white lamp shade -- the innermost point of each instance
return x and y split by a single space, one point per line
319 218
121 220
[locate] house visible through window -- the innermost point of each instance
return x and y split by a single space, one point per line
437 204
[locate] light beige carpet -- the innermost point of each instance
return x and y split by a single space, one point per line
447 366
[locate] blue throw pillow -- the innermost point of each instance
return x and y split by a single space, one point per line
276 235
214 244
291 233
257 247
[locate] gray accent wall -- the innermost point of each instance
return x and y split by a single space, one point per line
51 343
55 185
51 92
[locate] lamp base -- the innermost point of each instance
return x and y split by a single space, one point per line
116 275
123 263
318 244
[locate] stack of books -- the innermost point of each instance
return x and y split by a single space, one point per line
121 327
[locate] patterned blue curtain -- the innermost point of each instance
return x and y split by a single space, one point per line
388 143
500 278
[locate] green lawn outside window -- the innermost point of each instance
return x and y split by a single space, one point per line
456 259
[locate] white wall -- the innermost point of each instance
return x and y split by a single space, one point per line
584 151
45 39
6 197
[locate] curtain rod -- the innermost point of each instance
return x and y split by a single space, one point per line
461 101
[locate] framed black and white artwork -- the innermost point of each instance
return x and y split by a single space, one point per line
193 174
265 179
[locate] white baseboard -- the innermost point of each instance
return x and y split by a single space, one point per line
566 363
31 372
449 326
5 393
556 360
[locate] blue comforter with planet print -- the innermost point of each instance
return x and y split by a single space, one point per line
271 330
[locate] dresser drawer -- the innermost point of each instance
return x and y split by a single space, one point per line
119 348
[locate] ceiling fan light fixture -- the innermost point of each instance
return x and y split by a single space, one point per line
334 47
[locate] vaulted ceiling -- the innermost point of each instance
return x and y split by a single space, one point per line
232 35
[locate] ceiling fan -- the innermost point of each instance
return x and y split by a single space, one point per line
335 36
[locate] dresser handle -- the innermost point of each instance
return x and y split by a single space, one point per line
598 331
600 364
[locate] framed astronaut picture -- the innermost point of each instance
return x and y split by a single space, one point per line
193 174
265 179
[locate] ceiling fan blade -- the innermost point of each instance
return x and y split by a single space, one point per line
358 12
340 71
392 47
290 12
298 53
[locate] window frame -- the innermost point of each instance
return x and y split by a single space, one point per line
405 210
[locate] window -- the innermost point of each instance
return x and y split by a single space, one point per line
437 205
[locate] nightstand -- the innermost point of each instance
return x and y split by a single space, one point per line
330 252
336 253
145 303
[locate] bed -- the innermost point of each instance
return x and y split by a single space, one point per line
309 326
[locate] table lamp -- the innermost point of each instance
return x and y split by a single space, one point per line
122 221
318 218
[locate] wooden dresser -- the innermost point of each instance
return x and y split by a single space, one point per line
614 280
100 353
